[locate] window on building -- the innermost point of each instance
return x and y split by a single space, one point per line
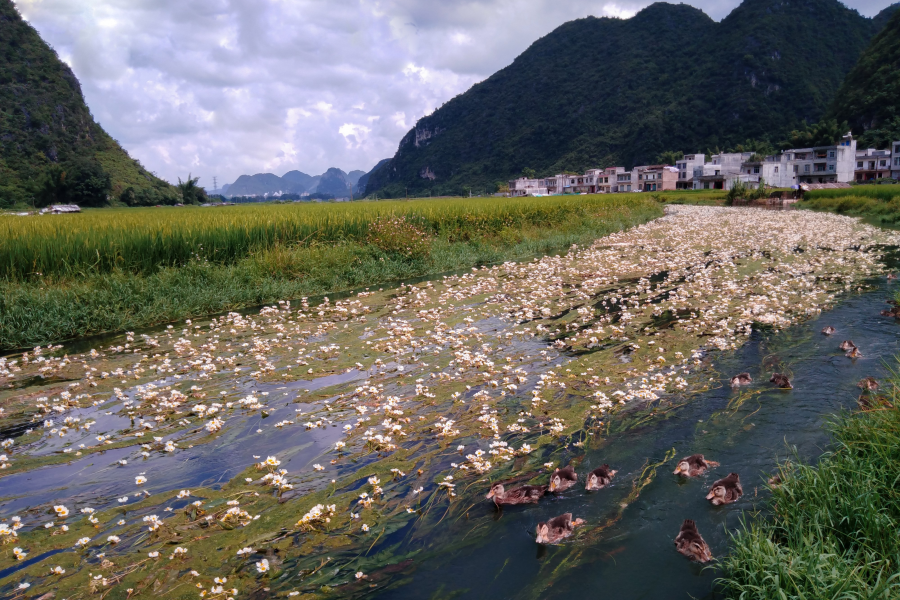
831 168
859 164
871 165
884 163
806 168
897 149
831 154
796 168
755 170
776 169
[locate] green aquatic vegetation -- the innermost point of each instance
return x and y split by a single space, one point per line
370 426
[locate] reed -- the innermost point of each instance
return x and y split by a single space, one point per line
833 529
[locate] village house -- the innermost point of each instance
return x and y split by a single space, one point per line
872 164
833 164
895 161
656 178
685 168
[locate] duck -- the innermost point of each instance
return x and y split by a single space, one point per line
599 478
694 465
867 402
690 543
741 379
726 490
853 353
892 276
782 381
557 529
775 481
847 345
563 479
868 384
526 494
828 330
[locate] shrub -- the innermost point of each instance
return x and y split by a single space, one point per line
397 235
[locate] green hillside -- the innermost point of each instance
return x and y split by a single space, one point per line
47 133
599 92
870 97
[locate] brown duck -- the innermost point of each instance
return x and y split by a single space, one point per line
563 479
868 384
741 379
726 490
690 543
847 345
599 478
782 381
557 529
828 330
853 353
527 494
694 465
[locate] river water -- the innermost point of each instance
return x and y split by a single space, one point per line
635 558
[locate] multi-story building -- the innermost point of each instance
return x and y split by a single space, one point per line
872 164
821 164
721 172
524 186
895 160
686 167
656 178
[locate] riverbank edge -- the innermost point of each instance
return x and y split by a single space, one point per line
833 529
54 311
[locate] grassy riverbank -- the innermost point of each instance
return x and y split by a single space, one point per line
877 204
835 527
112 270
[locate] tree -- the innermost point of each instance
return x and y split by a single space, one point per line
191 193
669 157
823 133
529 173
83 182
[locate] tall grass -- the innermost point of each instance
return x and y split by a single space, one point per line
52 308
141 241
879 192
835 527
879 204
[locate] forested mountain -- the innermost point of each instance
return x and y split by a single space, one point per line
870 97
51 149
599 92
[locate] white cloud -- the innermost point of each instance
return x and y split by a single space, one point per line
227 87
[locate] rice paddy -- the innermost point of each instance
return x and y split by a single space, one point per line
282 452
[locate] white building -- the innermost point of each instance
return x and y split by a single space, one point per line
721 172
686 167
527 187
895 160
872 165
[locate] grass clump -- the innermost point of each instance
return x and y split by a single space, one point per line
835 527
878 204
396 235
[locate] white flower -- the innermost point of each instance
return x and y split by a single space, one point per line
262 566
61 511
140 480
360 574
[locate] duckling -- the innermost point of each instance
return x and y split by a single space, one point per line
847 345
869 402
892 276
782 381
741 379
563 479
775 481
599 478
868 384
694 465
726 490
527 494
557 529
853 353
828 330
690 543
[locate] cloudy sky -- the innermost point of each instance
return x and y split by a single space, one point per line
227 87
